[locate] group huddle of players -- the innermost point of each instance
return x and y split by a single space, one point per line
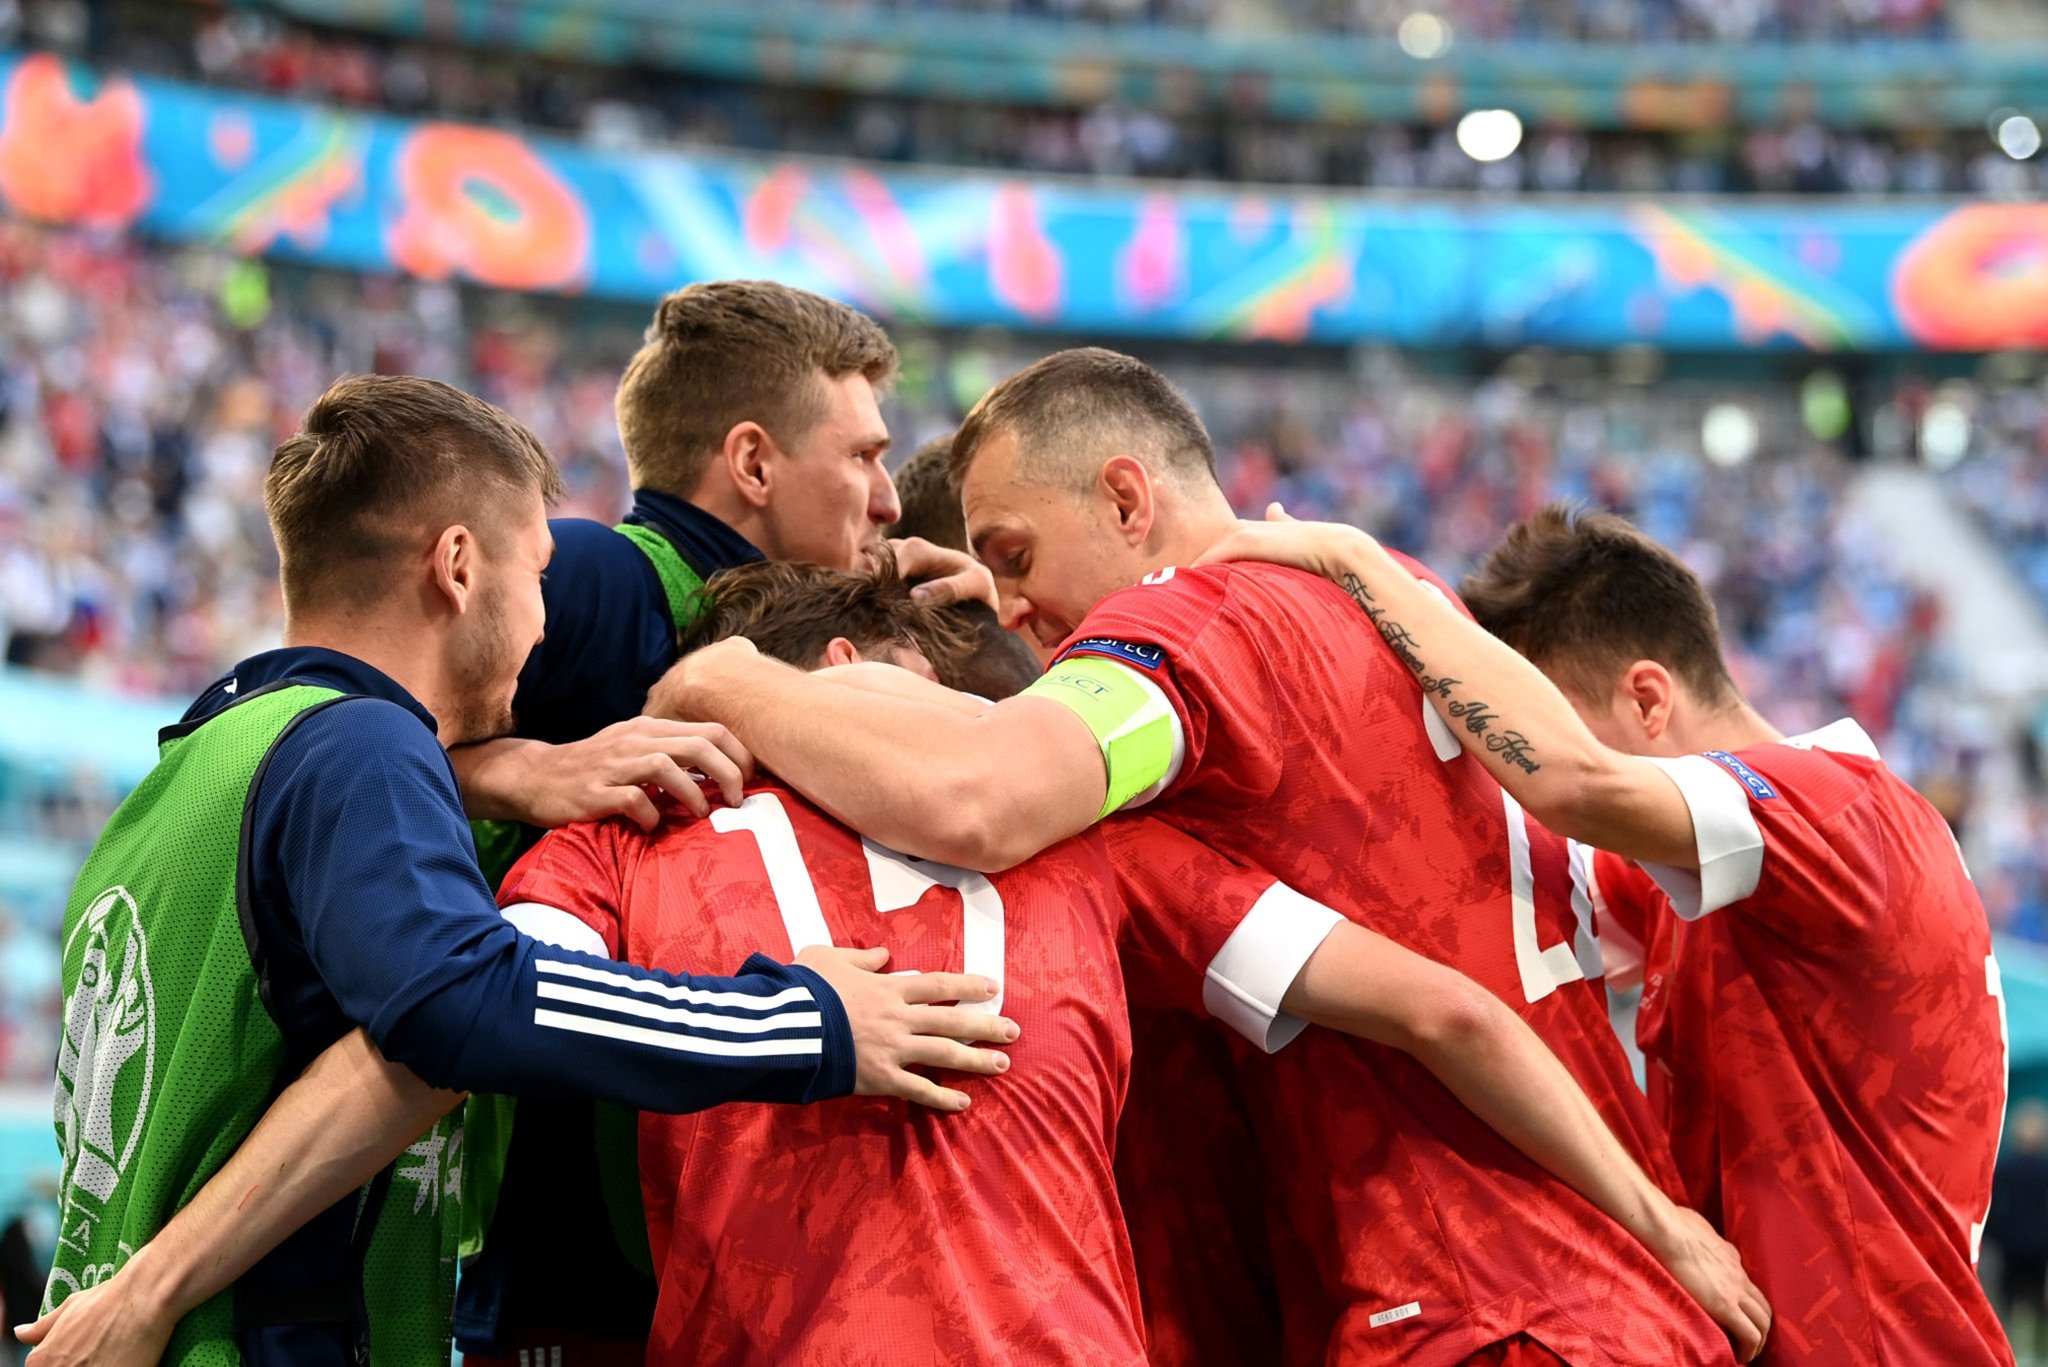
1308 909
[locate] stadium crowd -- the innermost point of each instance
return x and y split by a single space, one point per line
632 107
1511 20
142 390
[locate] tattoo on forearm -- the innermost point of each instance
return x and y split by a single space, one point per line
1477 715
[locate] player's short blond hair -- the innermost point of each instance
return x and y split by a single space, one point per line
731 351
382 460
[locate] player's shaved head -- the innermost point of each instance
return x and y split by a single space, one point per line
793 611
1075 409
381 462
1585 595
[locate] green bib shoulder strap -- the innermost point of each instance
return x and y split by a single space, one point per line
683 586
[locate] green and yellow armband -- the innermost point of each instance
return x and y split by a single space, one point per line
1137 728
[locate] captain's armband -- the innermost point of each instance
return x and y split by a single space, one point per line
1132 721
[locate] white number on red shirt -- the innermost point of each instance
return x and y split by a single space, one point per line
896 881
1543 968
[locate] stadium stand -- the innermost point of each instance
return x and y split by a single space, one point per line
1787 144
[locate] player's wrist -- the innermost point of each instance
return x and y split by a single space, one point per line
1350 548
161 1281
1659 1227
499 778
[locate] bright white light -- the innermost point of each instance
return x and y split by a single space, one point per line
1944 434
1424 36
1489 134
2019 137
1728 434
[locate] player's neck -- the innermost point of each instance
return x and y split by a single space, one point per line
721 501
1735 726
1197 523
398 653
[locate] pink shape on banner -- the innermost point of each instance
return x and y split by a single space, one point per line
67 160
1025 269
771 209
230 140
1977 279
1153 270
481 203
890 227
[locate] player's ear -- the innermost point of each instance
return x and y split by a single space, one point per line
1127 485
1650 692
453 565
746 454
840 651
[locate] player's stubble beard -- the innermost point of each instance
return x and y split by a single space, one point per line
485 673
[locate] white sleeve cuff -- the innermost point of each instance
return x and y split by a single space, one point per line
1621 954
1731 848
1250 975
553 926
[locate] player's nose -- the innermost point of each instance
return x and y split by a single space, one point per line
883 505
1013 611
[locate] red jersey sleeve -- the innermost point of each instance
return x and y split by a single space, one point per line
1177 632
1204 933
1783 837
568 889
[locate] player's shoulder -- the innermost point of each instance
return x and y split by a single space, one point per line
586 531
768 807
584 547
358 742
1829 767
1178 605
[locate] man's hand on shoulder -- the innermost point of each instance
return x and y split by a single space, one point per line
610 774
898 1024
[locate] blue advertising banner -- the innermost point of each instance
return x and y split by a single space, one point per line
502 209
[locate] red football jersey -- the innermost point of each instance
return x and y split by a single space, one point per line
1822 1016
1187 1162
866 1231
1404 1230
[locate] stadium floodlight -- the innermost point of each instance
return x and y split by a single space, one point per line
1489 134
1728 434
2019 137
1423 36
1944 434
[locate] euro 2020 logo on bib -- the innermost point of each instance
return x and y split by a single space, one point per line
106 1063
